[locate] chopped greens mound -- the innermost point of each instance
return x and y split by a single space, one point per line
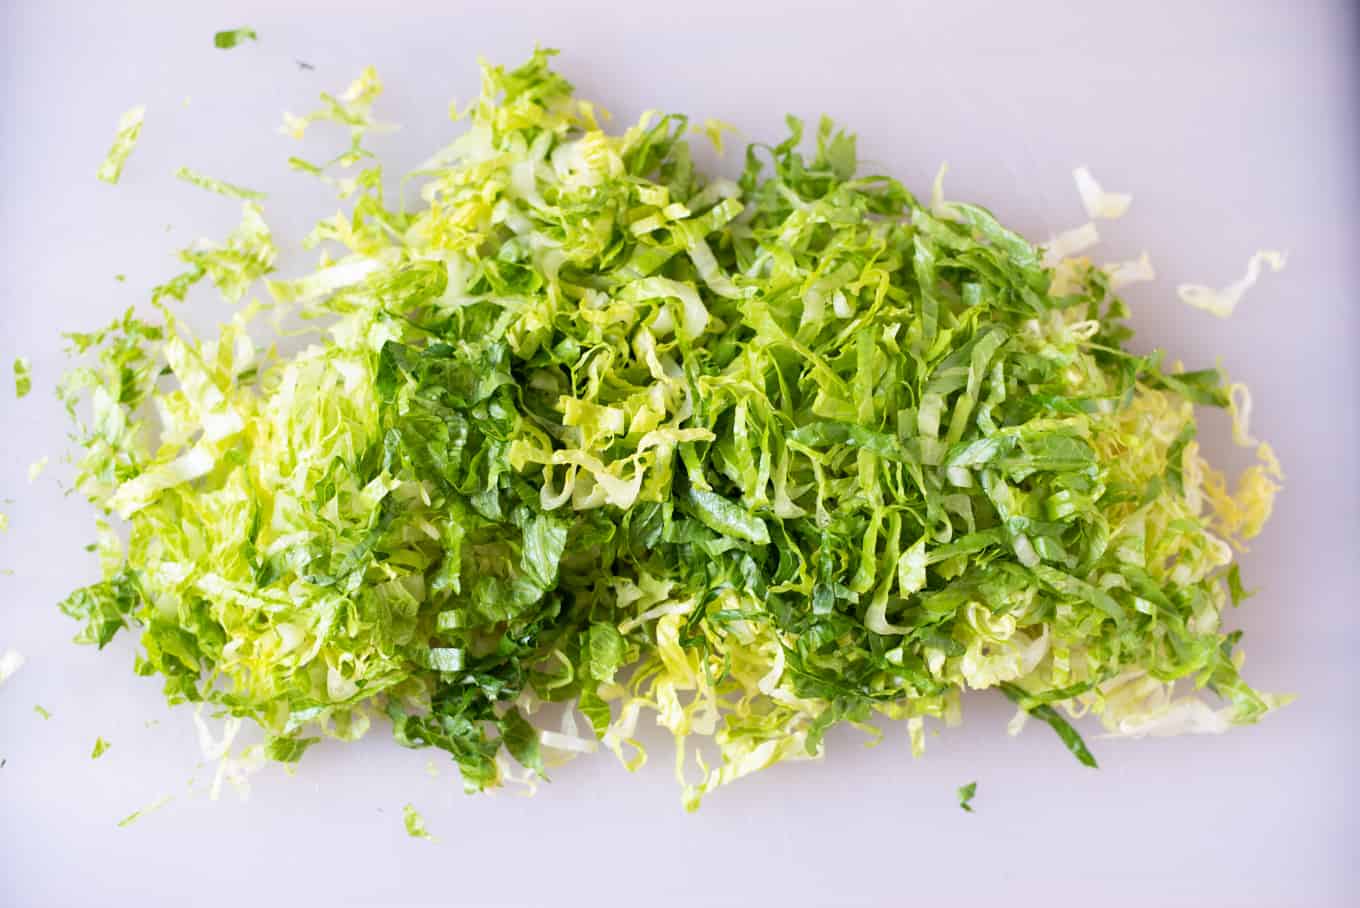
753 457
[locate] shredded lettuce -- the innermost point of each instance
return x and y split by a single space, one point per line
148 809
1097 202
36 468
414 822
101 747
42 713
1068 243
129 128
225 40
1223 302
23 377
966 794
1131 272
586 427
218 186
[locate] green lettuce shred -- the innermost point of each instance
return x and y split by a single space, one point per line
129 128
586 426
414 822
101 747
226 40
23 377
150 808
218 186
966 793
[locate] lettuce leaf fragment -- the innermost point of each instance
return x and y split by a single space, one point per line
1223 303
129 128
218 186
414 823
966 793
23 377
11 660
1097 202
36 468
229 38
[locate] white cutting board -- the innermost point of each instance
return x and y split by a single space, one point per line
1234 125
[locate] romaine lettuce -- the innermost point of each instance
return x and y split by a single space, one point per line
586 426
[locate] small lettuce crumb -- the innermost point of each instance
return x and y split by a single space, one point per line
229 38
101 747
966 793
36 468
150 808
23 377
1224 302
415 823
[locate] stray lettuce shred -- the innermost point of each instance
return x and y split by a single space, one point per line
129 128
966 793
584 426
218 186
1097 202
414 822
36 468
226 40
148 809
23 377
101 747
1223 303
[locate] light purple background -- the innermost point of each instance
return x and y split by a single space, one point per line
1235 126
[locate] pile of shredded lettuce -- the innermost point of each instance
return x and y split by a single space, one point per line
746 458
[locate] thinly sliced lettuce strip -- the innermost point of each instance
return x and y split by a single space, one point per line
229 38
148 809
218 186
124 140
23 377
1224 302
966 794
589 430
1097 202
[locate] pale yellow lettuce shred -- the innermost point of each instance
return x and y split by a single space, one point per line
1224 302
